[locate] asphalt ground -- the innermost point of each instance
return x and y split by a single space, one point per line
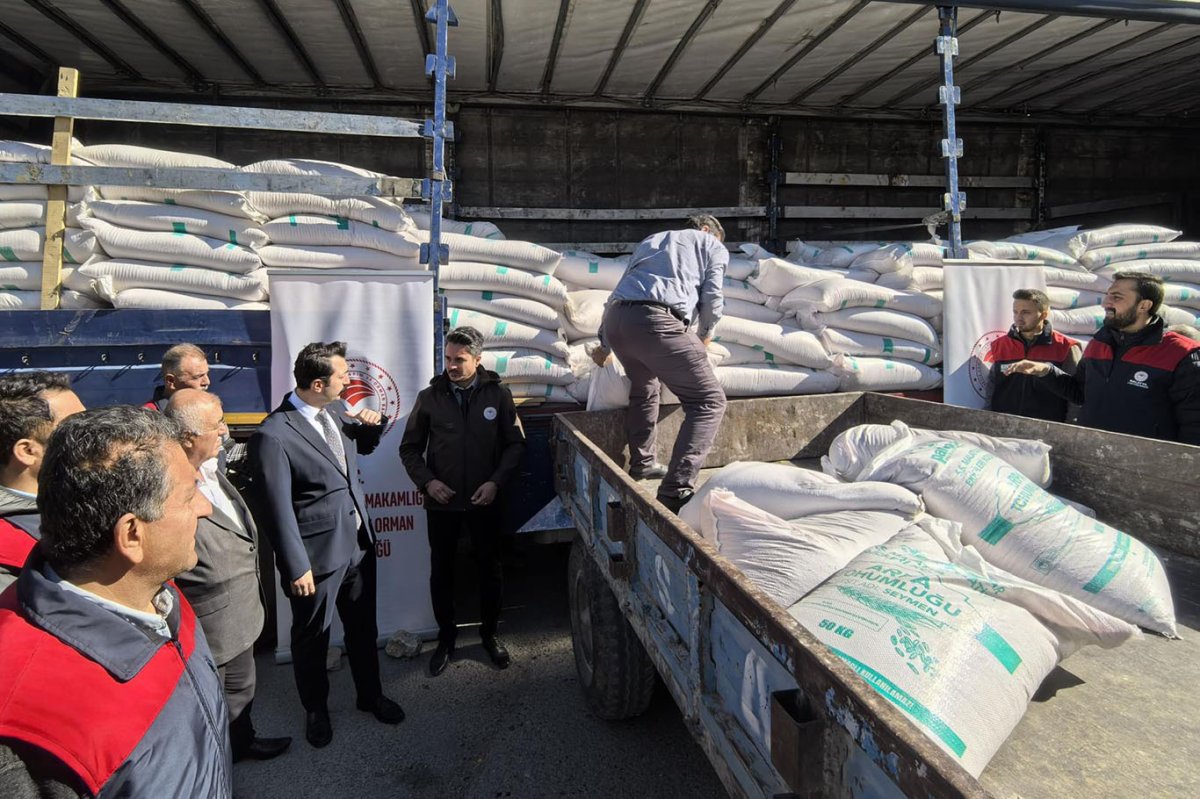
476 731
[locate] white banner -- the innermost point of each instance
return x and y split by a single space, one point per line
978 310
386 320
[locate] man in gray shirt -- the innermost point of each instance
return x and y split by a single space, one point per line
673 279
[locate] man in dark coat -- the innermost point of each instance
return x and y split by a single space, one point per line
224 586
462 444
308 499
1136 377
1032 338
31 406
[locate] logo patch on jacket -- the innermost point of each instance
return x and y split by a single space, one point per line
489 413
1139 379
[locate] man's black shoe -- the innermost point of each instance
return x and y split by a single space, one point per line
440 659
655 471
263 748
497 652
384 710
675 503
317 728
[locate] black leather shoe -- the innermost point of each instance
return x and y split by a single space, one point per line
497 652
655 471
675 503
440 659
384 710
317 728
263 748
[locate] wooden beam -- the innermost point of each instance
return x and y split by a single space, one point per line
895 212
901 181
56 206
34 105
27 174
605 214
1117 204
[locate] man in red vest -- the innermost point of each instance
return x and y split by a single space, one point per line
107 684
1030 338
1136 377
31 406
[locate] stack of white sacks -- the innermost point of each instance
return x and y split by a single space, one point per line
167 248
22 235
960 596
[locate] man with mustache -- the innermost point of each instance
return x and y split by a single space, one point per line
1135 377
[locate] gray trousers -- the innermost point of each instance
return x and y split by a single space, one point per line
238 678
654 346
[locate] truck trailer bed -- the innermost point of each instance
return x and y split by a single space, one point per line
1121 722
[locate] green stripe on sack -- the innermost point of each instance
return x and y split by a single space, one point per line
178 227
593 267
1111 566
487 295
502 364
467 229
292 221
994 642
8 254
176 268
889 346
906 702
454 318
996 529
501 328
68 258
233 236
342 223
501 270
769 357
549 364
880 303
928 355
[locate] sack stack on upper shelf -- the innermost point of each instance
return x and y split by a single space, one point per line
23 232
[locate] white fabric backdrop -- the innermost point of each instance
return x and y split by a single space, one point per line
386 320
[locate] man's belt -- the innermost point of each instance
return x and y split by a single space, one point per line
655 304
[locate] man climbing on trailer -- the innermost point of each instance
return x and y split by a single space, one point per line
673 279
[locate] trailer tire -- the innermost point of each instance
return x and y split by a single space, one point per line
617 676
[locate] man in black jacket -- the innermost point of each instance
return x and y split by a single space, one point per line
462 443
1030 338
1135 377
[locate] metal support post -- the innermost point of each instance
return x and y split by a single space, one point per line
440 66
949 95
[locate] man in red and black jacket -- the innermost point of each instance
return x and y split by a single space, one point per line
1032 338
107 684
1135 377
31 406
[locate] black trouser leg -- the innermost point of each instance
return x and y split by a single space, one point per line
484 526
356 608
310 641
444 529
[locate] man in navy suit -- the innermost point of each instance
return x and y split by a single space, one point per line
309 502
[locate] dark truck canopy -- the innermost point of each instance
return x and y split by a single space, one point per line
1100 59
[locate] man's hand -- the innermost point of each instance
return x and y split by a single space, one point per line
439 491
707 341
365 416
1033 368
304 586
485 494
601 355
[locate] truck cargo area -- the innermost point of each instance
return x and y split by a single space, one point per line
1120 722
